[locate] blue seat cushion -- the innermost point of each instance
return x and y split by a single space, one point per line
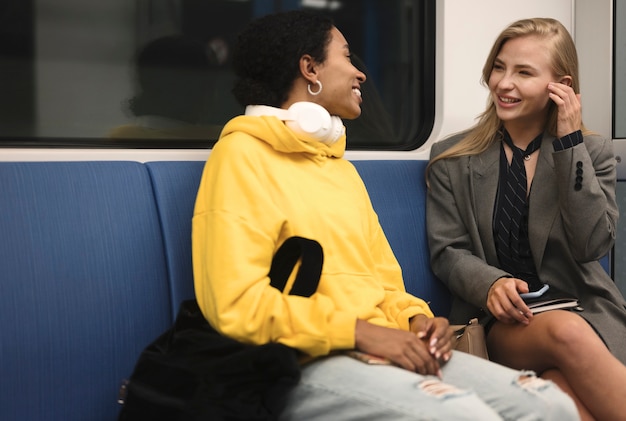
84 286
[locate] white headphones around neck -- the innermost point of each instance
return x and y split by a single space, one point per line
308 120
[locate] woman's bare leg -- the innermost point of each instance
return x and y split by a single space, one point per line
564 341
557 377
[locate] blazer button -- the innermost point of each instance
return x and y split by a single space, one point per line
578 186
579 171
579 164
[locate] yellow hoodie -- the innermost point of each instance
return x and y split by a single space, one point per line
262 185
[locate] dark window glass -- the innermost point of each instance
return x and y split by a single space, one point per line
156 73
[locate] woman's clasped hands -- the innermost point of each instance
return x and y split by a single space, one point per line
423 350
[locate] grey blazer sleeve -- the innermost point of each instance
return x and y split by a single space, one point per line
586 177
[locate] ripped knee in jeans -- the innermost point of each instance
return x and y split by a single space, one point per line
528 380
439 389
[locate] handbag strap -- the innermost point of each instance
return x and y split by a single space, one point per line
308 277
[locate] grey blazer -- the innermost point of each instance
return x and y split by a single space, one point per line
572 222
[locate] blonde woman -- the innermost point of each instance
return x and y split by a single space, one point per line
526 197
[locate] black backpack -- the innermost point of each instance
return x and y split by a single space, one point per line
191 372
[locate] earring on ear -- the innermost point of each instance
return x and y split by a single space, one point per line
308 88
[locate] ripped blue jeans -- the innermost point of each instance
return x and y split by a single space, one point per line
341 388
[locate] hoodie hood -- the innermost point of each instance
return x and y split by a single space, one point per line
275 133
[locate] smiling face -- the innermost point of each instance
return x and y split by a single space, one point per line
519 83
341 93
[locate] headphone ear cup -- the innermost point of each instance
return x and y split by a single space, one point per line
312 122
308 120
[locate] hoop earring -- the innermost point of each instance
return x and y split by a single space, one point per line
308 88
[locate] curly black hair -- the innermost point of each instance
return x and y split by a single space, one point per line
267 53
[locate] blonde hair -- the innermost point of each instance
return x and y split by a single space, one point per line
559 44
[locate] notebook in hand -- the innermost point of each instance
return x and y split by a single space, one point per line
551 298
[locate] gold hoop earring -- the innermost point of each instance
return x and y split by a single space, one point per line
318 83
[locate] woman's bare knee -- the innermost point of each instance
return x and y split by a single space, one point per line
566 335
564 328
551 339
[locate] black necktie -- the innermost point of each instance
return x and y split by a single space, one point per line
512 217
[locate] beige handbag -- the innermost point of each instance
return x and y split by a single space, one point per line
470 338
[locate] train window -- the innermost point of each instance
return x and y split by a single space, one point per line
155 73
619 88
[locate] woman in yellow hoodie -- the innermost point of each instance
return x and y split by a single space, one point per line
277 172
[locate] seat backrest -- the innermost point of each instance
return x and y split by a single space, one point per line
398 193
83 286
175 188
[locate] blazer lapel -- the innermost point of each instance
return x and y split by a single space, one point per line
544 204
484 170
